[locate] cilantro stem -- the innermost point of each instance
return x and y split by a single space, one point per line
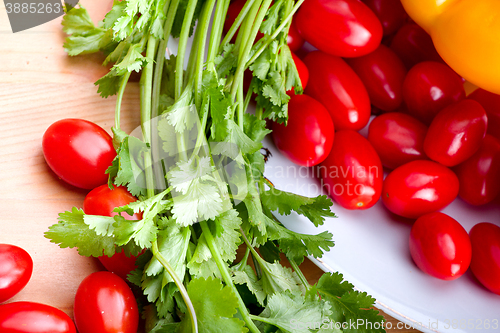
146 90
160 58
179 283
237 22
216 33
226 277
119 98
246 50
301 276
269 39
181 51
202 29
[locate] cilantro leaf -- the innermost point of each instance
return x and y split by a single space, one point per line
348 304
316 209
277 278
293 313
71 231
215 307
129 173
248 277
77 21
86 43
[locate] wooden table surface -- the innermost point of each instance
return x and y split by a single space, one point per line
40 84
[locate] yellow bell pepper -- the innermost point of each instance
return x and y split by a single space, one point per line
466 33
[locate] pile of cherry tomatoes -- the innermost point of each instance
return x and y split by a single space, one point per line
79 152
365 64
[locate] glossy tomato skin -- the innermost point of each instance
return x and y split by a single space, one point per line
391 14
16 267
456 133
335 85
303 74
440 246
79 152
429 87
419 187
485 263
491 104
398 138
308 137
344 28
30 317
413 45
101 201
104 303
294 40
479 176
382 73
352 173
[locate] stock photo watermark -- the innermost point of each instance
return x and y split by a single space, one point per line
362 324
26 14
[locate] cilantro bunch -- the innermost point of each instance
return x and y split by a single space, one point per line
196 211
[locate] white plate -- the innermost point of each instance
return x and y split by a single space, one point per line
371 251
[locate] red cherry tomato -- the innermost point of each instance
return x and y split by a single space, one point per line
307 138
344 28
352 173
333 83
391 14
456 133
413 45
29 317
294 39
485 263
419 187
101 201
79 152
398 138
429 87
479 176
16 267
382 73
303 74
104 303
440 246
491 104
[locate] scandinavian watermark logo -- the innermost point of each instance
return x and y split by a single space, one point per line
26 14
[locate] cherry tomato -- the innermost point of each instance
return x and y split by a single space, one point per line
391 14
491 104
485 263
101 201
413 45
456 133
382 73
429 87
79 152
307 138
398 138
352 173
294 39
479 176
303 74
104 303
344 28
29 317
333 83
419 187
440 246
16 267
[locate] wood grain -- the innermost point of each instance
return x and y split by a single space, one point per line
40 84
